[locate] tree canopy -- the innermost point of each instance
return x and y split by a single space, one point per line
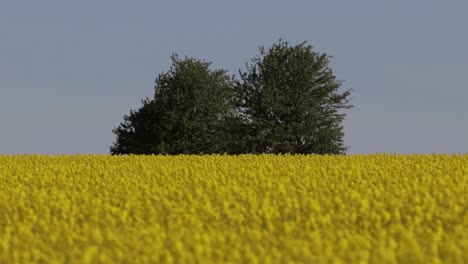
286 101
289 100
187 115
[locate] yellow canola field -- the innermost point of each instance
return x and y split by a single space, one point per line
381 208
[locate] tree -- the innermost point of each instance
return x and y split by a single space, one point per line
288 101
191 113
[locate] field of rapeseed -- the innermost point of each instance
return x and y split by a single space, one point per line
238 209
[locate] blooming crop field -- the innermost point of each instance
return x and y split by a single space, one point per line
234 209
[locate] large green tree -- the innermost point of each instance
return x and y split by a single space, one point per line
191 113
289 101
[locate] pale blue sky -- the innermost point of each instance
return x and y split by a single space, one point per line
70 70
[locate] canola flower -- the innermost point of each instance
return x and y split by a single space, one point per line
381 208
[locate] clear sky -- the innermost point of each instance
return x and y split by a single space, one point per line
70 70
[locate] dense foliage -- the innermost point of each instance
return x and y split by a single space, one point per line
287 101
189 113
234 209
